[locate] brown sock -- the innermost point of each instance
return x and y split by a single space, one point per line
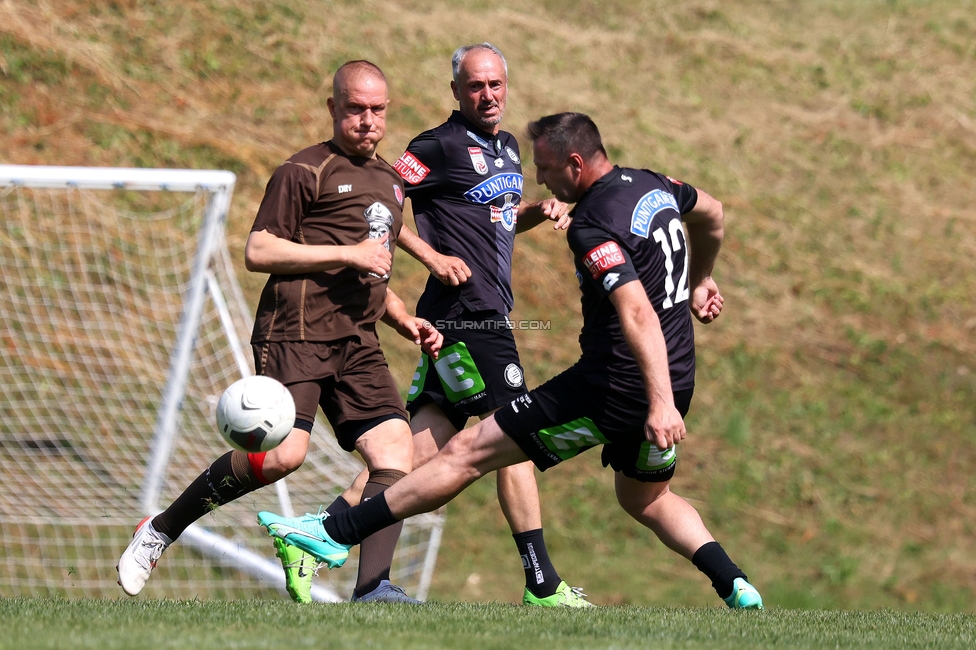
228 478
376 551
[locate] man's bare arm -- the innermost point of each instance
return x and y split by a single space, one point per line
705 224
412 328
531 215
642 330
449 270
267 253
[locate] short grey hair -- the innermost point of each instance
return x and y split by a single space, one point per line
460 53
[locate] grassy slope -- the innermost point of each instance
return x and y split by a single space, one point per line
833 435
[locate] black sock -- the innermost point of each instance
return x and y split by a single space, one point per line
339 505
540 576
229 477
359 522
712 560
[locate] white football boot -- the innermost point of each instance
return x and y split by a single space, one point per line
139 559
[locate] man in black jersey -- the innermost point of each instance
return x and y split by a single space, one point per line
640 276
464 181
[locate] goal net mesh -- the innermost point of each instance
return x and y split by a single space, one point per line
93 289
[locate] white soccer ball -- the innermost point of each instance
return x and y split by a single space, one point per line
255 413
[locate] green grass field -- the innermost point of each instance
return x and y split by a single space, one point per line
106 625
832 443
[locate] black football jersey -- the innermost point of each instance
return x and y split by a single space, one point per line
465 186
628 227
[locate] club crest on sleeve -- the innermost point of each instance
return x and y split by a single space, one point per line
602 258
478 160
398 193
411 170
647 208
514 156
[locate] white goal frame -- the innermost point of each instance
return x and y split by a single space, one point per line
218 186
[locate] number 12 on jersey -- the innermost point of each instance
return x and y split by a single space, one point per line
671 249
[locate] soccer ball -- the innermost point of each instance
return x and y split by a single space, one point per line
255 414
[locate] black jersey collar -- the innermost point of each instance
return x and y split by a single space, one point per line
600 182
495 140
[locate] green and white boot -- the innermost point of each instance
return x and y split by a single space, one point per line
565 596
299 568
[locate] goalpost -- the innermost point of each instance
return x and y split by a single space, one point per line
122 323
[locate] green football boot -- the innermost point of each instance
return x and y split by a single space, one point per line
565 596
299 568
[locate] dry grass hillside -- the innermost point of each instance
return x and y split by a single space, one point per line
833 436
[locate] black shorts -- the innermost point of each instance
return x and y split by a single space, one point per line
570 413
477 370
348 378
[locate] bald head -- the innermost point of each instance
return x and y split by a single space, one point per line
351 71
358 108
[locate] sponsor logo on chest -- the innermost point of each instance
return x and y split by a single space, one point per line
602 258
478 160
411 170
346 187
647 208
492 188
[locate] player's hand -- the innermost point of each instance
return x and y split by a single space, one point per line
449 270
371 256
557 211
706 301
664 426
422 333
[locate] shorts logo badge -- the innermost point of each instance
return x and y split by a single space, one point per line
410 169
647 208
514 156
513 375
478 160
603 258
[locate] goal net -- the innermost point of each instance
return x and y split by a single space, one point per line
122 322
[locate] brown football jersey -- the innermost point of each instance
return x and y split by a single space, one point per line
323 196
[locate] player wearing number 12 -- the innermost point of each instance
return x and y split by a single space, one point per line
641 280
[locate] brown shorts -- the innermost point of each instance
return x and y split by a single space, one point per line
348 378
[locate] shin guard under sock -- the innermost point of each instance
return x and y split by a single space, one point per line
229 477
540 576
712 560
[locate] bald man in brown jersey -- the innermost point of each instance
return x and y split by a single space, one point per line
325 233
